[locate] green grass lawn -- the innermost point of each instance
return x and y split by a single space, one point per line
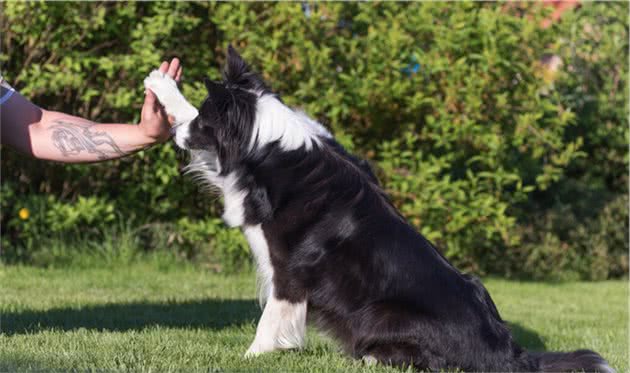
146 317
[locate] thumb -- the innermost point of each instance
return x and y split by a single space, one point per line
149 98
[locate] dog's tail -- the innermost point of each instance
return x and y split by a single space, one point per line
580 360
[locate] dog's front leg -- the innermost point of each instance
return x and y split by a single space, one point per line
281 326
175 104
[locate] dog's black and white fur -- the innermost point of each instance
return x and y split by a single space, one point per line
326 239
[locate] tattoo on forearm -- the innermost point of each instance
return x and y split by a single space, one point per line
74 138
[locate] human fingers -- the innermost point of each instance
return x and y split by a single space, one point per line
173 67
178 75
149 98
164 67
162 114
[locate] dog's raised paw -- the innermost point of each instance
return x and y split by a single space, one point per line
164 87
156 74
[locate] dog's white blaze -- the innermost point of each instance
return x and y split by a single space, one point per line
258 244
282 326
175 104
277 122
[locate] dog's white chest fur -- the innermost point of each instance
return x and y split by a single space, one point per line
258 244
234 201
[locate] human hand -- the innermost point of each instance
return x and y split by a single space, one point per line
154 122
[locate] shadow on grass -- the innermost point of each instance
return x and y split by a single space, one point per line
211 314
527 338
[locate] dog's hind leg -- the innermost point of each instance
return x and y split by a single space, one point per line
281 326
395 334
397 354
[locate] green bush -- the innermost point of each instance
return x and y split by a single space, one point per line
489 153
586 212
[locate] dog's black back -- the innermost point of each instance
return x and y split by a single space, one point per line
369 278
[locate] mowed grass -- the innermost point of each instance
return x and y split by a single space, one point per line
145 317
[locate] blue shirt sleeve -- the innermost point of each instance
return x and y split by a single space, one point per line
6 91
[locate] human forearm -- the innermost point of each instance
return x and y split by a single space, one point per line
66 138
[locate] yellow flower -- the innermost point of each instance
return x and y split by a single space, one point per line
24 213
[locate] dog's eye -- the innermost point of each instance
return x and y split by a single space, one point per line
203 124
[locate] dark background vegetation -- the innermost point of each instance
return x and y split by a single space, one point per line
510 166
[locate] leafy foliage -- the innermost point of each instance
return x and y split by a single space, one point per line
487 150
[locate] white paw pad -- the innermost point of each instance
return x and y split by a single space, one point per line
164 87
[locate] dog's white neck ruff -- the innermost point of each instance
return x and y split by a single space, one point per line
277 122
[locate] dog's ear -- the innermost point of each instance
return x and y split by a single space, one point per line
215 90
235 68
219 97
237 72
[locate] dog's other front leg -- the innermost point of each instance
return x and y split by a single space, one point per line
281 326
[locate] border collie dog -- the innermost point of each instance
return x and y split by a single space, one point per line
327 240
